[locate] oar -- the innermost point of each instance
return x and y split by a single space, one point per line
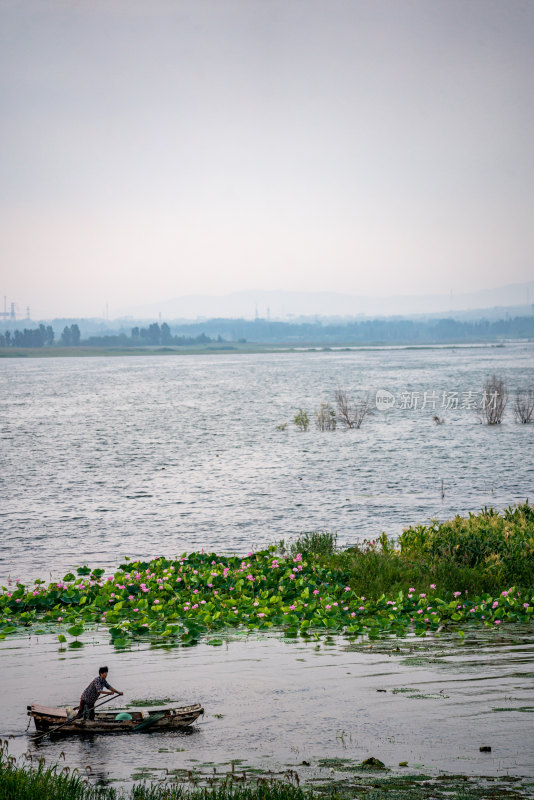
58 727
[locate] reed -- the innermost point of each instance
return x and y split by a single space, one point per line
481 553
53 783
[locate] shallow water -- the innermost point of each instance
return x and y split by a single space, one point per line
139 456
272 703
106 457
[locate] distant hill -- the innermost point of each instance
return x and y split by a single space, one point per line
287 305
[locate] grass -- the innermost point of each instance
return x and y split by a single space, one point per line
481 553
40 782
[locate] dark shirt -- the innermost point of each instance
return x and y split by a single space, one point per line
90 694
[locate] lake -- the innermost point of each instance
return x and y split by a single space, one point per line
272 703
141 456
149 455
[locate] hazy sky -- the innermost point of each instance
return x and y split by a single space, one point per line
154 149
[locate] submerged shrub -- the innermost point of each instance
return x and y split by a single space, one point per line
302 420
494 400
524 406
325 418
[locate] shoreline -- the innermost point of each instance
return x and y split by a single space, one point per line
243 349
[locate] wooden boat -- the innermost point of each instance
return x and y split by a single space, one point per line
48 719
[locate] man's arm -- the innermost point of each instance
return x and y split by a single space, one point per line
111 689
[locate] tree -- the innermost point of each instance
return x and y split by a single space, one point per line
166 336
153 334
524 406
494 400
75 335
66 337
350 414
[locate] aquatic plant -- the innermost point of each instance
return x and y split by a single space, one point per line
52 783
301 420
325 418
344 779
304 593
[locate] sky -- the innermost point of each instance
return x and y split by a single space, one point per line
155 149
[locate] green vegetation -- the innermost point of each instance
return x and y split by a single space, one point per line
464 571
302 420
343 779
56 783
151 336
481 553
320 333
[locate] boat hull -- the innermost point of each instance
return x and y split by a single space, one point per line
56 722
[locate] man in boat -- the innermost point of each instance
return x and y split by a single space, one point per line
91 694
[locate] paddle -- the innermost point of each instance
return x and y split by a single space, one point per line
58 727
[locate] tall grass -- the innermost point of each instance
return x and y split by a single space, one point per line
314 543
53 783
484 552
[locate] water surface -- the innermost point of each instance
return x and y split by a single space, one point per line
106 457
272 703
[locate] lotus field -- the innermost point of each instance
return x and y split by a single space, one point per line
193 597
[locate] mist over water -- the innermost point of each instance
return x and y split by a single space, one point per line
142 456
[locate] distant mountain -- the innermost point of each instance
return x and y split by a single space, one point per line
287 305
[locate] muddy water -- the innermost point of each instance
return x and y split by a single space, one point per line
272 703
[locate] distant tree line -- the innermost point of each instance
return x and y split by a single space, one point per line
29 337
373 331
161 334
140 337
368 331
151 336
